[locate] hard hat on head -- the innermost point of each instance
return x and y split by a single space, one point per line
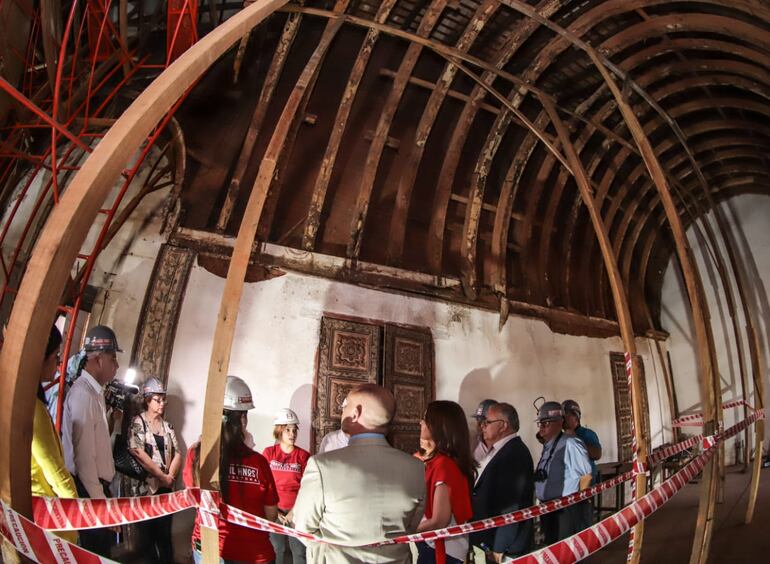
237 395
550 411
571 406
101 339
286 416
483 409
153 386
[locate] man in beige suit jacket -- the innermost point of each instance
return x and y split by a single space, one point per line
364 493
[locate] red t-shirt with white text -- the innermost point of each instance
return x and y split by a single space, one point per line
250 487
287 472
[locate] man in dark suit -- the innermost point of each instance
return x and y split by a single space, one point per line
504 484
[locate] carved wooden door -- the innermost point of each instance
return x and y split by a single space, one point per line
623 404
348 355
353 352
408 373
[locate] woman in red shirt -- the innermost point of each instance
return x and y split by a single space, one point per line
245 482
287 462
449 472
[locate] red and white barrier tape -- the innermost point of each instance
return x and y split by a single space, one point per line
40 545
696 419
588 541
56 514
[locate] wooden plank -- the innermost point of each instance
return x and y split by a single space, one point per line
398 220
372 163
619 295
321 186
281 53
66 230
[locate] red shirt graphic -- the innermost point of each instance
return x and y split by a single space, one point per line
287 472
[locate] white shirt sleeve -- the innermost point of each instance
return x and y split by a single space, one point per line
83 412
576 461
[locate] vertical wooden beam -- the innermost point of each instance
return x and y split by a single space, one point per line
289 33
398 222
318 198
620 299
372 163
708 378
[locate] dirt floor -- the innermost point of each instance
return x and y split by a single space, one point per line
669 532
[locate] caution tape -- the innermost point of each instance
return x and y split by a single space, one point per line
696 419
588 541
40 545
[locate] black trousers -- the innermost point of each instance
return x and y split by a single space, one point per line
155 536
99 541
565 522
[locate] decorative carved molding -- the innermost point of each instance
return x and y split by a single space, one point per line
156 329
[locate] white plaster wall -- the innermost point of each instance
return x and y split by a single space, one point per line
748 218
277 337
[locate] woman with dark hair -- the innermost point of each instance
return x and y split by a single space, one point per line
50 477
449 473
152 441
245 482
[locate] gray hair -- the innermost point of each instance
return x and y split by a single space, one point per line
509 413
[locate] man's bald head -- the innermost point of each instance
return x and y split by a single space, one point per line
368 408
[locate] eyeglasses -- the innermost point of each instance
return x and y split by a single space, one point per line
486 422
160 399
545 423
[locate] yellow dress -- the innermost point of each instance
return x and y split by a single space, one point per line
50 477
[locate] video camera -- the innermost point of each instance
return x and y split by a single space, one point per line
116 394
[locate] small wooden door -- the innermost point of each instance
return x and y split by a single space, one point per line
408 373
623 413
353 352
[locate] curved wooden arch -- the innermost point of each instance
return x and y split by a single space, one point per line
64 233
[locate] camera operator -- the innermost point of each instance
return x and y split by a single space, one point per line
86 432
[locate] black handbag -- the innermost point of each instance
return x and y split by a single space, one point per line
125 462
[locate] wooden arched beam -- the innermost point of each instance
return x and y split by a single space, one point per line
63 235
620 299
372 163
398 222
321 186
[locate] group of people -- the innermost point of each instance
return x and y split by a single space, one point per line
354 493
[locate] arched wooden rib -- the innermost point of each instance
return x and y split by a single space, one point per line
281 53
301 93
459 135
620 300
398 222
313 221
64 233
371 165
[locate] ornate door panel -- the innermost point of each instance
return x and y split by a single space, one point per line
348 355
623 404
408 373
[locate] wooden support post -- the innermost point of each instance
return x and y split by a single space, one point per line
711 414
620 299
64 233
759 429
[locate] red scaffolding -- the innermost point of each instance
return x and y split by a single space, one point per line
65 97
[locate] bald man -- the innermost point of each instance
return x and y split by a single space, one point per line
364 493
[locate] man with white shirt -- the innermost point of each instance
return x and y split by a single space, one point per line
85 431
504 484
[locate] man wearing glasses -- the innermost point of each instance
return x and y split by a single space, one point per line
504 483
564 469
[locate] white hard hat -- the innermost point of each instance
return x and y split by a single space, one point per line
286 416
237 395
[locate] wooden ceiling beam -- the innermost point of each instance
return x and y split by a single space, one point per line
398 222
321 186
